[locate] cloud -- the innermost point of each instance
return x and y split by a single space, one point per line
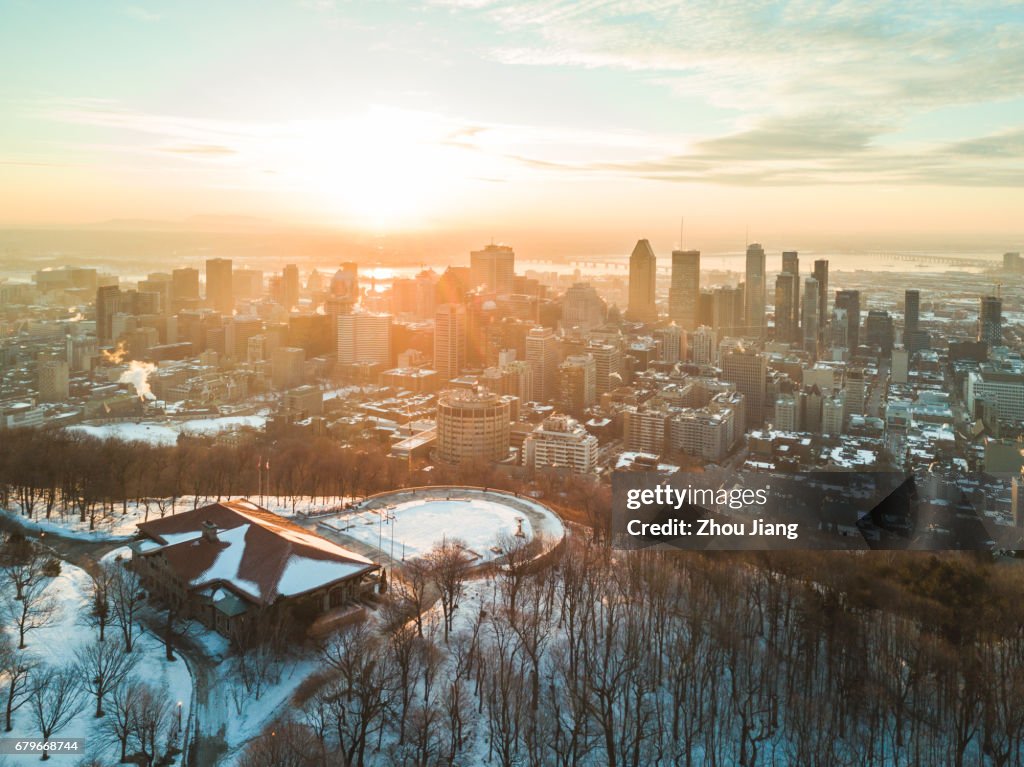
201 150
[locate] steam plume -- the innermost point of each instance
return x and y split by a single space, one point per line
137 375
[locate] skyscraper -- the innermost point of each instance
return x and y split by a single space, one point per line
494 268
582 307
811 320
577 384
108 300
911 311
990 320
748 369
184 284
642 276
219 285
684 292
704 345
754 306
786 316
727 311
542 354
879 331
345 287
364 338
449 341
821 275
850 301
791 265
290 286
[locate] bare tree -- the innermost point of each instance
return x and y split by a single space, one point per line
25 563
100 609
362 692
150 722
103 666
34 609
125 590
56 699
121 712
15 669
449 565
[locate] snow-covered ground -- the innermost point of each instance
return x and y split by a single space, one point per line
165 432
56 644
416 524
121 524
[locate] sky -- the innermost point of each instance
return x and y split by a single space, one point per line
557 119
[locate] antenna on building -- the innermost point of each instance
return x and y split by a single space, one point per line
682 220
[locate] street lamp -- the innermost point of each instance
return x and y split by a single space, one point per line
179 717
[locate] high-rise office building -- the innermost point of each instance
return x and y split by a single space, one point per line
914 338
238 332
748 369
684 292
345 286
449 341
878 328
582 308
364 338
220 285
577 384
1012 263
185 284
643 267
821 275
52 380
108 303
288 367
472 425
672 342
542 355
990 320
786 292
811 320
608 363
754 306
727 311
493 268
791 265
290 286
911 310
850 301
705 345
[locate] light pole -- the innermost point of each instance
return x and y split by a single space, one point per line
179 717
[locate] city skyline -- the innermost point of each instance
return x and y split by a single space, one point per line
393 119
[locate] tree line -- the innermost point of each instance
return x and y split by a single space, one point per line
69 475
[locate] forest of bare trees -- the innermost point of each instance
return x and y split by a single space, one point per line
41 696
646 658
59 474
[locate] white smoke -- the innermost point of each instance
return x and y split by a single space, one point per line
137 375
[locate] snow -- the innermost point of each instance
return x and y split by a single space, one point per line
302 574
225 566
416 525
166 432
57 643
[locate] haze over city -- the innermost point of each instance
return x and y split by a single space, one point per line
566 128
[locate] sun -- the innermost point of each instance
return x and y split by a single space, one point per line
382 170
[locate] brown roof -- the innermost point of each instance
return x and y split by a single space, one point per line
257 554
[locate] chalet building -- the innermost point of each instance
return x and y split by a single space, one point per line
226 562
